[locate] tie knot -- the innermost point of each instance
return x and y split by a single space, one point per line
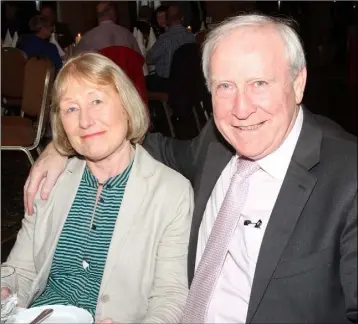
246 167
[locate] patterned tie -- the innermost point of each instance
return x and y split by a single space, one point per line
216 249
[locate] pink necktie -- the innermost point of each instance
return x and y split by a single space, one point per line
213 258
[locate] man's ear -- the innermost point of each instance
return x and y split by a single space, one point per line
299 85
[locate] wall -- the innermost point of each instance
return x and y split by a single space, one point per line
220 10
81 15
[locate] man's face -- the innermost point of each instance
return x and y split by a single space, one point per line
161 19
255 99
46 32
48 12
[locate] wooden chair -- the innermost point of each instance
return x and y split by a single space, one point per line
12 76
163 98
24 132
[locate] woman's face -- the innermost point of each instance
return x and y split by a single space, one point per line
161 19
94 119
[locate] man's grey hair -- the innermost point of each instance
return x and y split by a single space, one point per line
107 10
295 52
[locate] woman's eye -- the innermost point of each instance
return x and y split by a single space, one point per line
71 109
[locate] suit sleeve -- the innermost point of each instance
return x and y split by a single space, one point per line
181 156
170 288
348 263
21 257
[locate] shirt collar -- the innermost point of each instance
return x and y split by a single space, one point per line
106 22
276 163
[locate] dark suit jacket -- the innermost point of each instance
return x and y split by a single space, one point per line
144 27
63 34
307 266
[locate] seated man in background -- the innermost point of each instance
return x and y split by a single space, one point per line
161 53
37 43
107 33
62 32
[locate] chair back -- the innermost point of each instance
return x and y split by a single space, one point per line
38 82
12 72
131 62
39 73
186 81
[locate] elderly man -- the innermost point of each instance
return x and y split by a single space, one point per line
274 232
107 33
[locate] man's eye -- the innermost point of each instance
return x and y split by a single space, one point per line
96 102
224 86
260 83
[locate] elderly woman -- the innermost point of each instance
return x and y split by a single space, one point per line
113 236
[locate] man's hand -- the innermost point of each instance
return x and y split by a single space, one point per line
47 169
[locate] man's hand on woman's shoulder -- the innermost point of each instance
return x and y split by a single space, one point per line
46 170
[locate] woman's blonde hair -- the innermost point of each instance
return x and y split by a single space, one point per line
101 71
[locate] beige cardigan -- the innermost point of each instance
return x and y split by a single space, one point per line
145 276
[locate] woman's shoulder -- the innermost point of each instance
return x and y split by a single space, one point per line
71 175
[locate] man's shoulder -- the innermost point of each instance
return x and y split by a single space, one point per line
338 151
51 47
120 29
335 134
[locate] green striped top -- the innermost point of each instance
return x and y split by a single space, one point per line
81 253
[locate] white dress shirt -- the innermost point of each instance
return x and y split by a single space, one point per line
230 300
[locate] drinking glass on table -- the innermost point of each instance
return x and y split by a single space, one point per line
8 292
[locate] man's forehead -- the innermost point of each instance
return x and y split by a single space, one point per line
249 43
251 36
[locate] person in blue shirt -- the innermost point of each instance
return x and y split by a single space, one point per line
37 43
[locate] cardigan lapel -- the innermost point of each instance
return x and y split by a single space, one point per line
134 196
53 220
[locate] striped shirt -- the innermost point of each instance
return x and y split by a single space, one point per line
80 256
162 51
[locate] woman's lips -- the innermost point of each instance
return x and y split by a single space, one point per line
92 135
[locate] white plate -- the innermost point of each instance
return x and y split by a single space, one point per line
61 314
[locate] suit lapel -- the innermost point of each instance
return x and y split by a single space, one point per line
295 191
217 158
134 196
